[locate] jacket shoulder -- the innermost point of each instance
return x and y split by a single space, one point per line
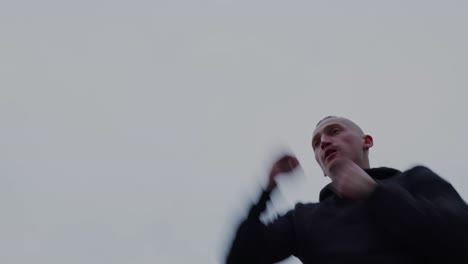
423 176
419 169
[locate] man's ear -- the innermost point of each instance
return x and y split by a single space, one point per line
368 142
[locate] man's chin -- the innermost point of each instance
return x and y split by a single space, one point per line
332 164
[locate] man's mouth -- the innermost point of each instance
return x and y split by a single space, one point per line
329 154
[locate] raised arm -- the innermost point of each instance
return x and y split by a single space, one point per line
256 242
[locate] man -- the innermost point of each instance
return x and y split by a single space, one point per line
365 215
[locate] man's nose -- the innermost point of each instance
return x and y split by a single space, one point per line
324 142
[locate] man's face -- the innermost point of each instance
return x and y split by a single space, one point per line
338 137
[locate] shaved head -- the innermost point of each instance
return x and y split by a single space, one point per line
349 122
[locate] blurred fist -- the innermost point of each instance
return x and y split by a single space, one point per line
285 164
349 180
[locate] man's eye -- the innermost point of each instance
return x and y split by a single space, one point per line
335 131
315 144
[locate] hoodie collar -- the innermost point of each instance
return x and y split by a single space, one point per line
376 173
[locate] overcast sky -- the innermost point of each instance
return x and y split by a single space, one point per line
140 131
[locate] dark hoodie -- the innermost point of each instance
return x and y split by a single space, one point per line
410 217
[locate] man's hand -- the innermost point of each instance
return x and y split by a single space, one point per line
284 164
349 180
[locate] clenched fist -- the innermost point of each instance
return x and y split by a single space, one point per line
285 164
349 180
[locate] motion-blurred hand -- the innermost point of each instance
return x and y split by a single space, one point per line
349 180
285 164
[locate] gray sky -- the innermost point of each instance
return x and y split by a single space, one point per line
140 131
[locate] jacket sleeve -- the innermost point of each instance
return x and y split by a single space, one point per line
258 243
425 210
